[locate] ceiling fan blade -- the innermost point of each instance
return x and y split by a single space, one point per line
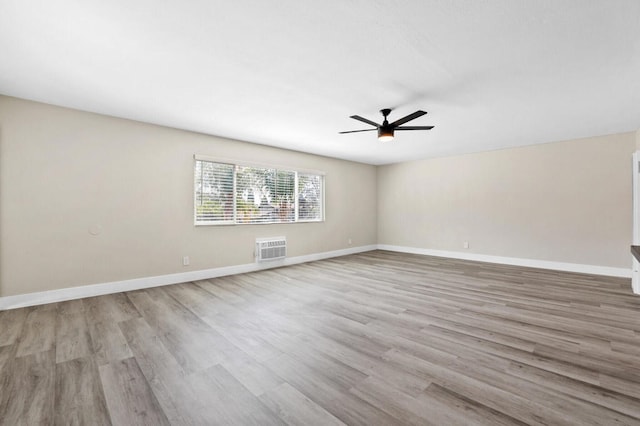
356 131
408 118
414 128
364 120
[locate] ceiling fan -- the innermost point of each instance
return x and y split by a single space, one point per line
386 129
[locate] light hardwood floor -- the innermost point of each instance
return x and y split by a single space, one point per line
377 338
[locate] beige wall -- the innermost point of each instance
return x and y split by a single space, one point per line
64 171
564 202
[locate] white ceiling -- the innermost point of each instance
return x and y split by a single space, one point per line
289 73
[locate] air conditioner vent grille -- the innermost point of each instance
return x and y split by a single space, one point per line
271 249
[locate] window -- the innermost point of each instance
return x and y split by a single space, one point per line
214 192
238 194
309 197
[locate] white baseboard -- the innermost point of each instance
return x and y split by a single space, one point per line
516 261
43 297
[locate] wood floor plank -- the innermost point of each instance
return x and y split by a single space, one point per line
515 332
129 397
314 385
330 367
38 334
110 307
189 339
375 338
222 293
624 386
403 407
7 353
7 377
251 343
468 410
27 393
488 394
595 394
72 336
161 370
12 321
228 402
104 313
296 409
70 307
79 395
457 341
371 366
352 410
199 301
109 344
254 376
585 412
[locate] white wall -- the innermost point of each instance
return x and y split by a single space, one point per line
64 171
566 202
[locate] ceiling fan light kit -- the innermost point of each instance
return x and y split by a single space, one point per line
386 130
385 135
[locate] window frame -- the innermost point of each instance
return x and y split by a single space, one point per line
239 163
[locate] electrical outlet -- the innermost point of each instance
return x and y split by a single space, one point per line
465 244
185 261
349 241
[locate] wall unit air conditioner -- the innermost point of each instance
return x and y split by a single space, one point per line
271 248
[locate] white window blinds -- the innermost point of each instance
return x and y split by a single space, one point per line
265 195
214 192
309 197
235 194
